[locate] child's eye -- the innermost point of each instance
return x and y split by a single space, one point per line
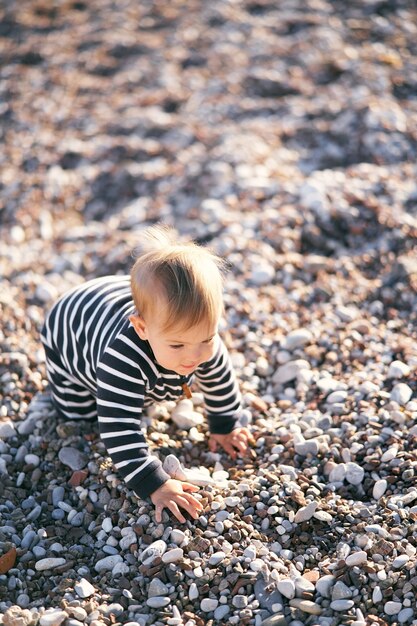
176 347
210 340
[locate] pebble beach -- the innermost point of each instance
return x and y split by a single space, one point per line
284 136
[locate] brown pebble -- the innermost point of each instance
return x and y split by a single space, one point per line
77 478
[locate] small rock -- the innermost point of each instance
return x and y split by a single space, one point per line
398 369
303 586
405 615
73 458
177 536
401 393
265 596
53 617
341 605
356 558
392 608
173 555
157 588
48 563
307 446
158 602
107 563
400 561
305 513
296 339
208 604
193 592
84 589
15 616
341 591
155 549
354 473
324 584
240 601
379 488
221 612
7 429
217 558
289 371
287 588
306 606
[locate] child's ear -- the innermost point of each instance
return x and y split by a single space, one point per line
139 325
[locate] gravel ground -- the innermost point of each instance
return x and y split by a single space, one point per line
284 135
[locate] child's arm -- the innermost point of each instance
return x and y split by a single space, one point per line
218 383
120 396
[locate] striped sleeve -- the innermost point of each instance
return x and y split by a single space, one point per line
121 384
217 381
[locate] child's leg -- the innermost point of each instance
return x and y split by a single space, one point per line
71 399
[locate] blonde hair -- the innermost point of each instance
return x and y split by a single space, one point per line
185 276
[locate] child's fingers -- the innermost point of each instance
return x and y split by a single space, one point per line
158 514
212 444
228 447
189 487
189 504
173 507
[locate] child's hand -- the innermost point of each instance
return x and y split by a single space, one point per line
173 494
235 442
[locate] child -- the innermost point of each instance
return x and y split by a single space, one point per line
114 346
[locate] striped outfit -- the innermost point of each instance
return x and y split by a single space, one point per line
98 366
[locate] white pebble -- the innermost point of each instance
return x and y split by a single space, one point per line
158 602
287 588
289 371
356 558
48 563
155 549
217 557
305 513
107 525
324 584
377 595
232 501
341 605
84 589
354 473
209 604
392 608
401 393
107 563
173 555
389 454
379 488
398 369
53 617
32 459
193 592
177 536
296 339
7 429
338 473
400 561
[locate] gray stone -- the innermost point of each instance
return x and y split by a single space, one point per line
107 563
157 588
267 595
73 458
157 602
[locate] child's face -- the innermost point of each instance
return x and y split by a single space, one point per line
178 350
